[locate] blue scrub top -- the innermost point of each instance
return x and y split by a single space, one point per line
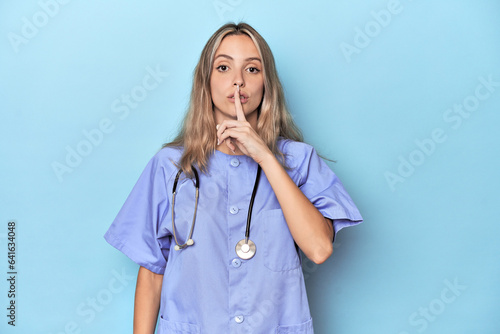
206 287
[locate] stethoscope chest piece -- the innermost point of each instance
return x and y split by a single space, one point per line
245 249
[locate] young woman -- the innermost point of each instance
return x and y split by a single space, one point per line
216 218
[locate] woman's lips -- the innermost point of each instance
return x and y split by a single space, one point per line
243 99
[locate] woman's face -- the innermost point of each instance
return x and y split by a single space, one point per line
236 62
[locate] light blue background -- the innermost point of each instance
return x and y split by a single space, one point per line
438 227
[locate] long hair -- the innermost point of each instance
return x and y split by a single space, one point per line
198 135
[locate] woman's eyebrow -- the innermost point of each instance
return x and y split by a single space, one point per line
253 58
231 58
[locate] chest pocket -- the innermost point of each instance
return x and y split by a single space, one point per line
303 328
280 253
171 327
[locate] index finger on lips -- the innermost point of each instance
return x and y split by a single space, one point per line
240 115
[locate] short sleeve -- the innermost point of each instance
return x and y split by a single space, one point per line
324 189
136 229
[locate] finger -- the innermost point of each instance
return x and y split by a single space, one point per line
229 124
240 115
233 133
237 138
229 144
220 130
217 133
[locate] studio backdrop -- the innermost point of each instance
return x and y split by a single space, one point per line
403 96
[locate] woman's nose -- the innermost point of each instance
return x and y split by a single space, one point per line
238 80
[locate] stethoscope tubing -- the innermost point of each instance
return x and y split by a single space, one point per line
189 241
250 206
245 250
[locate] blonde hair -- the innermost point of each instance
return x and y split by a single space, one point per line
198 134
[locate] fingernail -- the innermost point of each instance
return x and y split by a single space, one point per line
217 127
218 142
238 88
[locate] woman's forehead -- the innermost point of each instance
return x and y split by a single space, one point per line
237 46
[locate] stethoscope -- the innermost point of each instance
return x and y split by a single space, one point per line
245 248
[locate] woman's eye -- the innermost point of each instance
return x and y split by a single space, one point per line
222 68
253 70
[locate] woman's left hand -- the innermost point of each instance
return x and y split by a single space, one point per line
242 134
